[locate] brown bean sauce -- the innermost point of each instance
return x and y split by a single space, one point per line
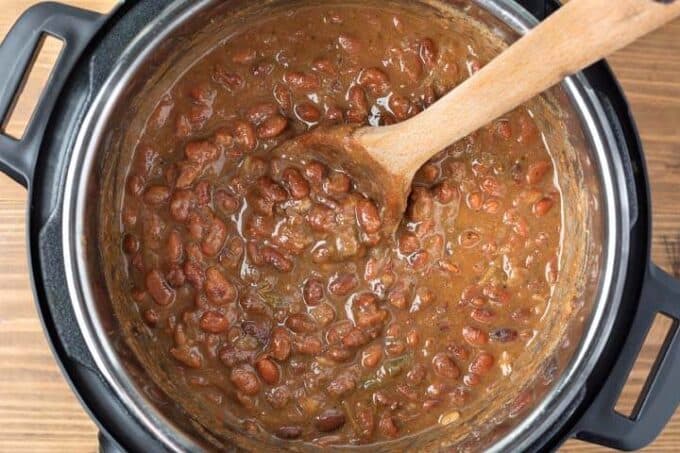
269 278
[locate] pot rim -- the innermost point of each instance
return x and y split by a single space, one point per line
524 434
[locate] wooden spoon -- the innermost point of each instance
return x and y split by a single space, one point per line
578 34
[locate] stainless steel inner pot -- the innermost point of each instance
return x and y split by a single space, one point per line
596 233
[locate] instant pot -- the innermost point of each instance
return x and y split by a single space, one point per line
100 66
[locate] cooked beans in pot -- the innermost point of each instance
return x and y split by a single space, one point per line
270 279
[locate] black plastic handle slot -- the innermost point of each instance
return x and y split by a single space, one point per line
660 397
75 27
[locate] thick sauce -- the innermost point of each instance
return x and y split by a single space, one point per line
269 280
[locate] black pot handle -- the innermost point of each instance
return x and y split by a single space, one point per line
75 27
661 395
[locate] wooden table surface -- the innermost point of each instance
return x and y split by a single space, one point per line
38 412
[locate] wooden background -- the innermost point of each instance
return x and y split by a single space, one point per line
38 411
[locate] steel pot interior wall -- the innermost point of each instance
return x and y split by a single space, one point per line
559 359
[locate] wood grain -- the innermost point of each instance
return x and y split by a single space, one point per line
38 412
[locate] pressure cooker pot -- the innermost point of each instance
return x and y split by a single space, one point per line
80 141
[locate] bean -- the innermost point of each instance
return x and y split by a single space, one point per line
214 239
297 185
371 356
214 322
226 203
260 112
289 432
180 204
365 421
176 277
280 345
537 171
330 420
428 52
151 317
475 201
302 81
313 292
355 338
158 288
276 259
333 114
542 207
174 247
444 193
341 385
308 345
283 97
130 244
445 367
349 44
482 315
368 216
301 323
245 380
188 172
375 80
412 338
387 426
278 397
187 357
416 375
267 370
325 66
503 335
497 294
400 106
156 195
272 127
410 65
230 80
270 190
203 193
339 354
218 289
357 99
475 336
397 297
307 112
482 364
491 206
342 284
315 172
338 183
244 134
201 151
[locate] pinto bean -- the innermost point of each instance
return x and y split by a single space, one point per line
226 203
267 370
188 172
214 322
368 216
444 366
244 134
180 204
543 206
276 259
315 172
245 380
174 247
159 289
297 185
330 420
313 292
219 290
272 127
156 195
308 345
475 336
341 385
482 363
375 80
355 338
339 183
342 284
308 112
201 152
214 239
301 323
301 81
289 432
280 345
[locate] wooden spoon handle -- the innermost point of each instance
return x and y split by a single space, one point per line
578 34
